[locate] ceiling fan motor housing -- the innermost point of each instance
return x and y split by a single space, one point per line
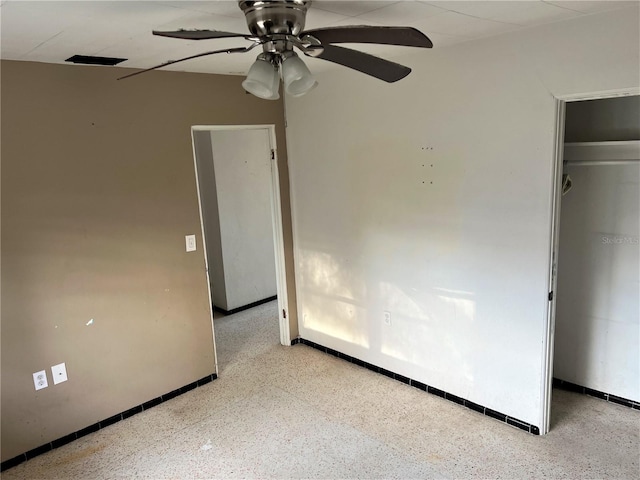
273 17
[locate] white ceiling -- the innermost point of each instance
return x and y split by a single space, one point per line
51 31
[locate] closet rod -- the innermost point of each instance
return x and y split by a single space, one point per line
589 163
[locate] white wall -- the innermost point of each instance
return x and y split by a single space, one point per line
605 119
210 216
597 317
431 199
242 165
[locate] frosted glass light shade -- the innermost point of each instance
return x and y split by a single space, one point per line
263 80
297 77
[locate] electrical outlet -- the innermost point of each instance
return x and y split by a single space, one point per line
190 241
40 380
59 373
387 318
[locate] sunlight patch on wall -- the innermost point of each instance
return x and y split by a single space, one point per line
324 274
330 294
401 303
338 319
427 322
465 307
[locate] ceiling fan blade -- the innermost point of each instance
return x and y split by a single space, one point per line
199 34
363 62
406 36
171 62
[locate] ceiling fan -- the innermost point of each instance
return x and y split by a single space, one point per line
278 26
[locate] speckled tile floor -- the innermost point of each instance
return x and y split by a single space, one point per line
294 412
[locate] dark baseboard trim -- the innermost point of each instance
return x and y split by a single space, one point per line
573 387
245 307
12 462
527 427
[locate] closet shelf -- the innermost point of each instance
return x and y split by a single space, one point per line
602 153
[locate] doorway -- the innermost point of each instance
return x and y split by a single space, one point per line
593 323
240 213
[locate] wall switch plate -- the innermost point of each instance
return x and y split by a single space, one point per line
59 373
40 380
190 240
387 318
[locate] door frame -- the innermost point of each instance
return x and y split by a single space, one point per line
276 223
554 240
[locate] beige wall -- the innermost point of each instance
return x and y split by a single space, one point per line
98 191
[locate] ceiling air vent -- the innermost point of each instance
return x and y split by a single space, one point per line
89 60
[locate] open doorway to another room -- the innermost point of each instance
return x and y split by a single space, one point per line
597 306
239 196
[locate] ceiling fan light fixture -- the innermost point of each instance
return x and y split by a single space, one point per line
263 80
297 78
